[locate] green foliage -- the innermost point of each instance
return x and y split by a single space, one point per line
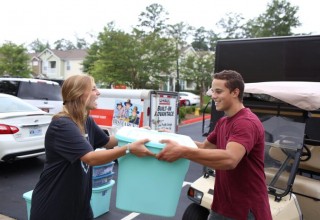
278 20
207 110
147 57
153 19
189 109
199 68
182 113
138 60
206 99
14 60
37 46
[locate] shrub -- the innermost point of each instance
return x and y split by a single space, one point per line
182 113
190 109
208 109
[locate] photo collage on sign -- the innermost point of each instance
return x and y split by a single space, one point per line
126 113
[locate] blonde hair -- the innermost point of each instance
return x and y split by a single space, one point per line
73 91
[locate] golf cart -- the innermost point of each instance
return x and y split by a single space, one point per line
290 115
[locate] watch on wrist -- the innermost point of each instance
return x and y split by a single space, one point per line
128 149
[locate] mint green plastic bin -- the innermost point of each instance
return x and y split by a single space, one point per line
100 199
146 185
27 196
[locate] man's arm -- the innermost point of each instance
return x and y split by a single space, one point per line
205 145
215 158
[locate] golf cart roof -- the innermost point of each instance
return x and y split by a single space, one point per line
304 95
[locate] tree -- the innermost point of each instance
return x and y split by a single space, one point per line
232 26
82 43
14 60
153 19
199 68
64 44
179 33
131 59
278 20
200 39
212 40
37 46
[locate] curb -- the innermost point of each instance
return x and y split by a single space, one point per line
194 120
4 217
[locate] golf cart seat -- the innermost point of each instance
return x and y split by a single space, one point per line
303 186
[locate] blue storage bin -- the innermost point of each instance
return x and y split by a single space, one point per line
102 180
100 199
27 196
102 169
146 185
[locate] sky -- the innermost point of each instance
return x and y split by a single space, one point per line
24 21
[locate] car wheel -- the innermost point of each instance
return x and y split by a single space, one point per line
187 103
195 212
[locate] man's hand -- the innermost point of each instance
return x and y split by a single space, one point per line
171 152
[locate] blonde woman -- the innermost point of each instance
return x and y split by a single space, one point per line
65 185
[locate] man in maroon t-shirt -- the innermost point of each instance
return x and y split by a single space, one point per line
235 149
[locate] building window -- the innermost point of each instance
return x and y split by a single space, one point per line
52 64
68 65
190 83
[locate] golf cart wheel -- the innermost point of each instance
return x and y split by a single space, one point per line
195 212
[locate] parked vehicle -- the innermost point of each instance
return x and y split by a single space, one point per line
190 98
43 94
136 108
22 128
182 102
290 113
290 58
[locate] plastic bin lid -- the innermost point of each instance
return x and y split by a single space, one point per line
103 176
104 187
104 165
131 134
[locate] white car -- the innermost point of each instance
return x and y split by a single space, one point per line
44 94
190 98
22 129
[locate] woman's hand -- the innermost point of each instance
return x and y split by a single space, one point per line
139 149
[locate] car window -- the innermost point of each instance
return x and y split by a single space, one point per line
9 87
39 91
8 104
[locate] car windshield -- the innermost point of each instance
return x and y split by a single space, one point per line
12 104
40 91
284 139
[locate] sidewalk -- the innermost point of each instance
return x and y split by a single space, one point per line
3 217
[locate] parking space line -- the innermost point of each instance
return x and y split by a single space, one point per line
131 216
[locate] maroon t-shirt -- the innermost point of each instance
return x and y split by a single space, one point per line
242 189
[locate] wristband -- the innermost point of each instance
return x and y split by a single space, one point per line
128 149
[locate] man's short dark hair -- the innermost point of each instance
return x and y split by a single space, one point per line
233 79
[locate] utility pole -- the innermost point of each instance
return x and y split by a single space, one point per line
178 81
